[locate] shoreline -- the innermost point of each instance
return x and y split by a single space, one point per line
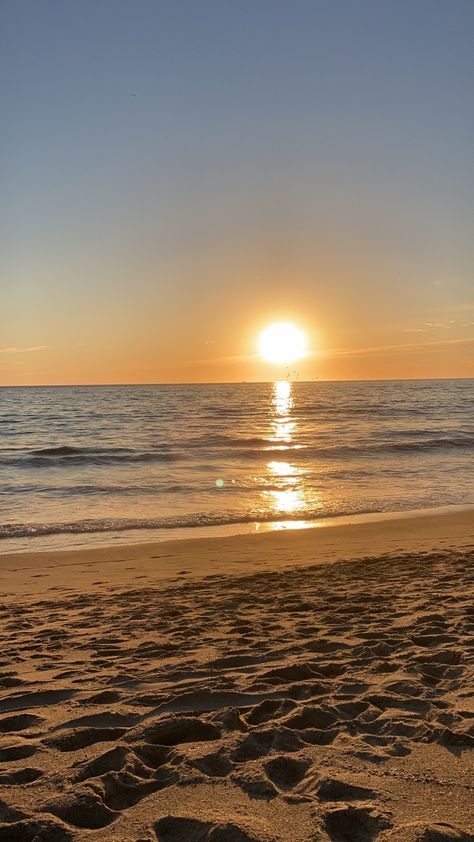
61 541
322 542
126 537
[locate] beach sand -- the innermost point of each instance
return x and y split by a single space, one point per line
304 685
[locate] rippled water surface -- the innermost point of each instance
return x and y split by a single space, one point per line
149 461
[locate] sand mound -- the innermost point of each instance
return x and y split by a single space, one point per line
174 828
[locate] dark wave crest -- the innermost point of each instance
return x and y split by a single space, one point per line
67 454
62 450
246 448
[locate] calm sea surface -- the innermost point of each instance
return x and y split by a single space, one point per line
123 463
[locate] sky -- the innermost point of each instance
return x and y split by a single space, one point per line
177 175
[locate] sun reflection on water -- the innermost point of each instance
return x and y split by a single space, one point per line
288 501
282 397
282 423
288 498
285 471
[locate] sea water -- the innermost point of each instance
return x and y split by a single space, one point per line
103 464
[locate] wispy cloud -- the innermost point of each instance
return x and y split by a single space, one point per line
222 360
14 350
414 330
451 324
408 348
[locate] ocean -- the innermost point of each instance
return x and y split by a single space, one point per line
83 465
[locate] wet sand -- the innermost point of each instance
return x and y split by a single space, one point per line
303 685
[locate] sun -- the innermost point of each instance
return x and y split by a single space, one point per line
282 342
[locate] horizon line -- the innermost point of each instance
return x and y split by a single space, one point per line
231 382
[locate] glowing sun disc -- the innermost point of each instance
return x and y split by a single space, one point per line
282 343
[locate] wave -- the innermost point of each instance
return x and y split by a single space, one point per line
380 447
196 520
67 454
260 443
192 521
69 491
436 443
223 440
308 452
247 448
63 450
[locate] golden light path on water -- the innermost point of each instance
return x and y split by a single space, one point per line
289 497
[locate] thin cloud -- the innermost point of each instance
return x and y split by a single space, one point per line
428 326
221 360
415 330
407 348
14 350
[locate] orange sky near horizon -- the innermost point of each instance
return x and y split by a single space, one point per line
204 326
430 355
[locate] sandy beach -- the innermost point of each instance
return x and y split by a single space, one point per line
303 685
